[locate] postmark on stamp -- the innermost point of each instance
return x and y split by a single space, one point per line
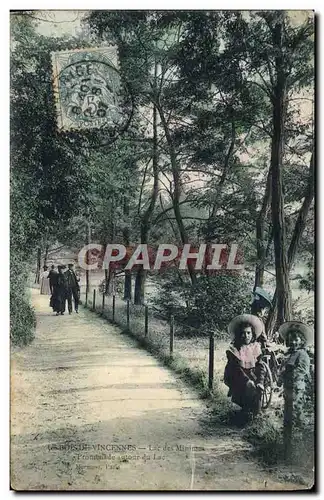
88 88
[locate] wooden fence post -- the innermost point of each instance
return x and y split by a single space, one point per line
171 334
211 361
146 322
103 303
113 308
127 313
94 300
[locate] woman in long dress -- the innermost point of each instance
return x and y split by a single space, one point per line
59 292
45 287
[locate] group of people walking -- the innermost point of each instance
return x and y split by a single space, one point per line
63 285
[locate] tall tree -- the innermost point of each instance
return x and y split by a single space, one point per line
48 177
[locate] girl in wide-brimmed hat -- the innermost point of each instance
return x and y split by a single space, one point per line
295 371
244 374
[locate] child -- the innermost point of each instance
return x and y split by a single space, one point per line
294 374
244 374
295 370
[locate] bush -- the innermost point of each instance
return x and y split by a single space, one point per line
308 282
170 297
218 299
304 313
267 437
22 316
210 303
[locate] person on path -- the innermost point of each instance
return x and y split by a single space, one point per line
60 292
244 374
73 288
52 276
45 288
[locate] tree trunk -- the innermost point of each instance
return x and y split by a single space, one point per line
270 325
147 216
128 285
46 255
87 271
281 309
177 190
108 236
279 105
109 281
302 216
139 291
209 237
260 243
295 240
126 238
225 172
38 265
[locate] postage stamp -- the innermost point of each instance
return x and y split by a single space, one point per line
87 86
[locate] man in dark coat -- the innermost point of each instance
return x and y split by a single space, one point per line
52 276
73 288
60 292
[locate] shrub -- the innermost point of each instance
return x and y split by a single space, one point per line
210 303
304 313
170 297
218 299
308 282
22 316
266 435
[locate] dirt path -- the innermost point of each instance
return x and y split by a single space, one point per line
91 411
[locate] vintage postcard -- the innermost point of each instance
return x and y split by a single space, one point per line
162 250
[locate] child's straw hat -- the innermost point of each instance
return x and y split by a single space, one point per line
298 327
252 320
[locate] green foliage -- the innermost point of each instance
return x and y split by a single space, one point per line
44 163
266 431
22 317
218 299
171 295
308 281
216 83
267 437
48 174
209 304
